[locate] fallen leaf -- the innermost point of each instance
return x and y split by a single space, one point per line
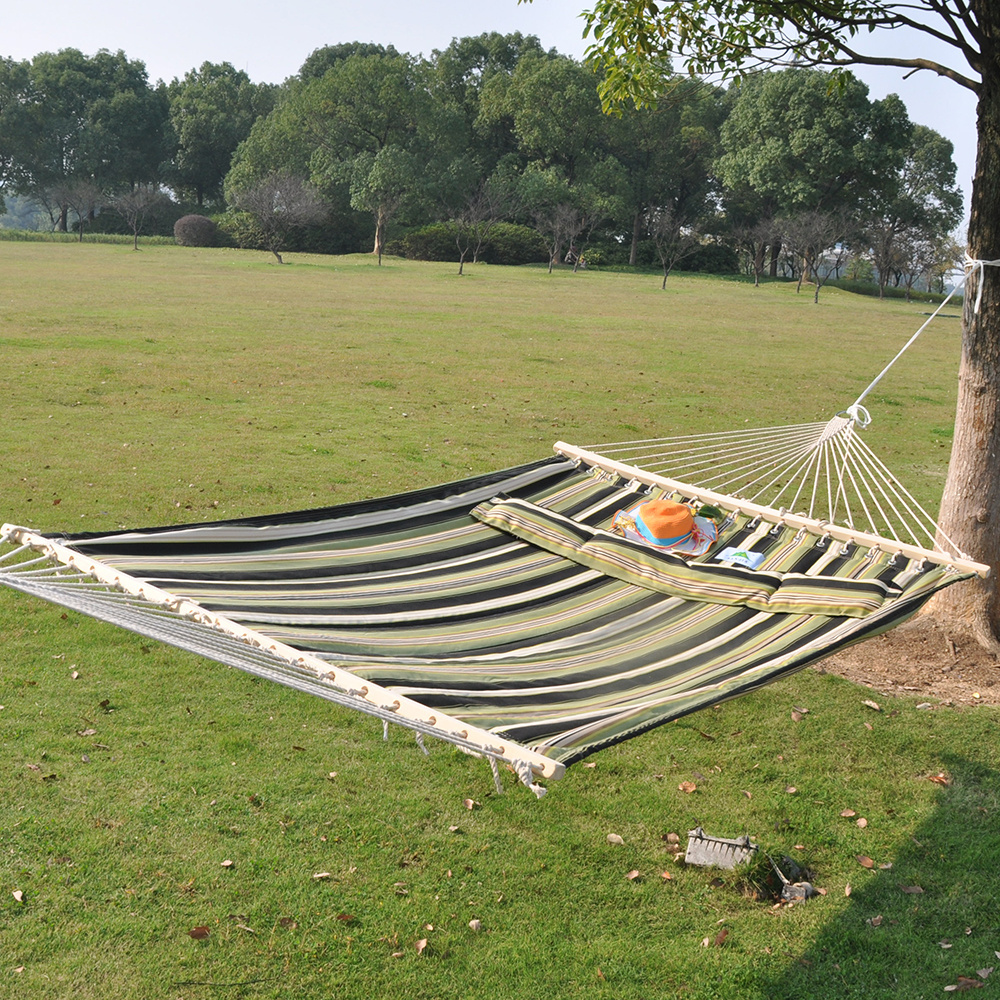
666 876
862 823
706 735
34 767
885 866
865 861
475 925
633 875
790 789
320 875
590 763
876 921
428 927
910 888
600 975
847 889
964 983
18 895
800 847
945 944
345 917
199 933
613 838
75 675
747 794
721 937
687 787
398 954
243 927
672 838
420 945
984 973
939 779
227 863
287 922
848 813
470 804
797 716
872 704
869 726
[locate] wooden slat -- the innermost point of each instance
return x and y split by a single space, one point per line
809 524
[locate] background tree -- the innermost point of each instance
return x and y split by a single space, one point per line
792 143
212 111
85 119
133 206
818 241
672 238
279 203
730 36
917 206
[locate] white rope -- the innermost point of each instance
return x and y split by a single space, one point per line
972 265
978 267
494 767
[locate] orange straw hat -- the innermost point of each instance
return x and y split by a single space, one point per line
667 525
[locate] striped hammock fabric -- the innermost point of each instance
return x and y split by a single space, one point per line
500 601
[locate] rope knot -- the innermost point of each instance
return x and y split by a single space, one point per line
977 266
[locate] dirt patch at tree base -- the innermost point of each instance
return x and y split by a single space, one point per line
923 658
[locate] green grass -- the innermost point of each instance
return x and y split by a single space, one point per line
175 385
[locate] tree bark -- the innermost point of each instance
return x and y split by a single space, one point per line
970 507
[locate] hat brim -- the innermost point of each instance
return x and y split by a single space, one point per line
703 537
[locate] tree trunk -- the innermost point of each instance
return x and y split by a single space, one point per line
775 254
970 508
633 256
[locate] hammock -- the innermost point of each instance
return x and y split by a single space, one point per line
499 614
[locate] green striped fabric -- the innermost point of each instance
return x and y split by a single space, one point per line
525 616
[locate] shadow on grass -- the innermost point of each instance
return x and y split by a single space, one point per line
932 918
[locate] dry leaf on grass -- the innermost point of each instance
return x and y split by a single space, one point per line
227 863
666 876
632 875
420 945
687 786
939 779
470 804
876 921
199 933
847 889
614 838
322 875
345 917
18 895
475 925
913 889
872 704
790 789
865 861
862 823
965 983
848 813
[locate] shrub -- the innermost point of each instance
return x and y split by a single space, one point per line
711 258
195 231
240 230
512 244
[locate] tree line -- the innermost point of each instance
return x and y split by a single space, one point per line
790 169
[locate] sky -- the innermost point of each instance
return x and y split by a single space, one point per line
270 39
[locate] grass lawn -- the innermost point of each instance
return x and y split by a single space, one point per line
175 385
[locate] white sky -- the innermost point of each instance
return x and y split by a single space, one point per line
271 38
